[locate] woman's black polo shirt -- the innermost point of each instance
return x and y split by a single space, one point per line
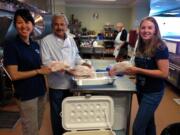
26 57
146 83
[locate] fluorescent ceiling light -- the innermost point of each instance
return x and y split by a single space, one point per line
171 13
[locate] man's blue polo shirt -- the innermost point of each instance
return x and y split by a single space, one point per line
26 57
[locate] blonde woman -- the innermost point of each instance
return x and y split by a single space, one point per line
151 69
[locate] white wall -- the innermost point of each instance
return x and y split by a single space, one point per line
130 16
139 11
106 16
58 6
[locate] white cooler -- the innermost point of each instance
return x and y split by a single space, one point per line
88 115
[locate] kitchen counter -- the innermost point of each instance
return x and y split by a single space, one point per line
121 84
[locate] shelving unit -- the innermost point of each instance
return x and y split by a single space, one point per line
74 25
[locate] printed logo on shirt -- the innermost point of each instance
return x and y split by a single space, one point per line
37 51
142 80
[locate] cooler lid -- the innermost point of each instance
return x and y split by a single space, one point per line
84 113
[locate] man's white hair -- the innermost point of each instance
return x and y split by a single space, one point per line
61 15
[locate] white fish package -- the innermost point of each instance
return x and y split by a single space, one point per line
101 78
122 66
91 115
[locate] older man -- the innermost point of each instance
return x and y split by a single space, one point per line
59 47
120 42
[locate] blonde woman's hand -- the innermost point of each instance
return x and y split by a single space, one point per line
131 70
113 71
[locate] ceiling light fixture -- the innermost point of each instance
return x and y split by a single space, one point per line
171 13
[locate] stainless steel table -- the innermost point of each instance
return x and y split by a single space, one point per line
121 91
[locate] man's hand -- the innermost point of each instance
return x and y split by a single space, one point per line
58 66
86 64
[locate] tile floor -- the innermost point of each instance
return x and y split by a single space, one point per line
168 112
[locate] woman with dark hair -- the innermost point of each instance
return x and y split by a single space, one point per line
23 63
151 69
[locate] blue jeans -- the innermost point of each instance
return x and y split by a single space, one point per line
55 98
144 123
